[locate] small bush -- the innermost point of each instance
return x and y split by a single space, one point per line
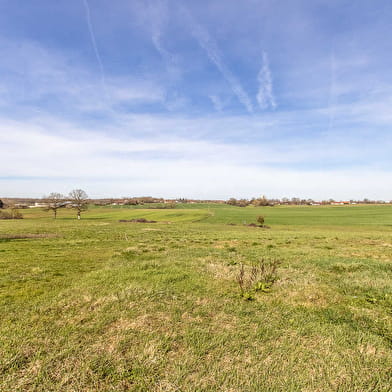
260 219
14 214
17 215
257 278
5 215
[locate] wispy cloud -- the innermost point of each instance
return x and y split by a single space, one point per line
217 102
40 161
158 16
265 96
94 44
329 135
52 80
208 44
332 93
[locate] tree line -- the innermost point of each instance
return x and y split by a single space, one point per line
264 201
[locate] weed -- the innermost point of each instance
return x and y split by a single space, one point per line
257 278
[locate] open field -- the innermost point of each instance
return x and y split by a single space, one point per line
99 305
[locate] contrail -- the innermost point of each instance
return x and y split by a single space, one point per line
216 101
205 41
265 96
94 43
332 93
159 17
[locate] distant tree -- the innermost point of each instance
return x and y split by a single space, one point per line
54 201
243 203
79 200
232 201
295 201
239 203
1 204
261 202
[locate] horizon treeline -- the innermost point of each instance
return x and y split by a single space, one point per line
54 198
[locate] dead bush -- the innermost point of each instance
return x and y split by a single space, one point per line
257 278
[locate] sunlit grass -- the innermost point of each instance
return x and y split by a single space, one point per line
99 305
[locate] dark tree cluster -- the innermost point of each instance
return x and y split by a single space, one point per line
257 202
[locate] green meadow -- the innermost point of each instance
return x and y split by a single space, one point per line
103 305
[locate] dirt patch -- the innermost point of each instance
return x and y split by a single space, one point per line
259 226
140 220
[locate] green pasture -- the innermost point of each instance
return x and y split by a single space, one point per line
354 215
302 215
103 305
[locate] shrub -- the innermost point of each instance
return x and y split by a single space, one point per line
261 202
258 277
5 215
238 203
260 219
14 214
17 215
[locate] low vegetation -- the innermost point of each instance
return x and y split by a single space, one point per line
100 305
258 277
11 214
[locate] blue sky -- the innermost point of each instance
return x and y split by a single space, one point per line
206 99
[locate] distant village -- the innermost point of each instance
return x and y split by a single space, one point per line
154 202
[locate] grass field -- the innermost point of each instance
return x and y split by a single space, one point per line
99 305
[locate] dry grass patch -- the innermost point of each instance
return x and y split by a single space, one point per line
221 271
27 236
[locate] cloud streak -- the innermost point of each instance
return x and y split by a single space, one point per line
158 14
216 102
48 80
192 168
265 96
94 44
181 90
208 44
332 93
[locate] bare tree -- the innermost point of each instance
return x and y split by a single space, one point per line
79 200
54 201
